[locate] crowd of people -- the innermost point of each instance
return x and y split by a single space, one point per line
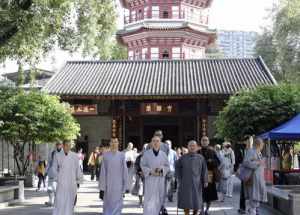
200 174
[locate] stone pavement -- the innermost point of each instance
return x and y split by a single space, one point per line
89 204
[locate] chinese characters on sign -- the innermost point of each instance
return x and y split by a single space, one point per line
204 127
84 109
158 108
114 128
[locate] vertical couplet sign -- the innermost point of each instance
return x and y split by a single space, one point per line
204 125
114 128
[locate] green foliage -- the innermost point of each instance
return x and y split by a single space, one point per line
118 52
280 46
21 76
214 52
31 28
33 118
257 111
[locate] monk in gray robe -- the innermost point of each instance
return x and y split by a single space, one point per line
191 173
155 166
113 179
255 191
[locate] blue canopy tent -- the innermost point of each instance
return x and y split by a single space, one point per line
287 131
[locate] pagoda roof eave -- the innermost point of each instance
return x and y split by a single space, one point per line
121 33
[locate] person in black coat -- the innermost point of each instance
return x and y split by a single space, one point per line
210 192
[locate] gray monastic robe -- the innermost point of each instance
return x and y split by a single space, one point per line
154 185
257 190
191 172
113 181
68 176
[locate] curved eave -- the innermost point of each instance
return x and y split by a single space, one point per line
122 33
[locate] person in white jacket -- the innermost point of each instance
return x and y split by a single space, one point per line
51 173
230 162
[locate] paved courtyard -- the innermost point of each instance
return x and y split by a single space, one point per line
89 204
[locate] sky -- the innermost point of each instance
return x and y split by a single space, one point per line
239 15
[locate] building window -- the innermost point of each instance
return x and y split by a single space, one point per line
165 54
155 12
175 12
137 54
165 14
130 55
176 53
145 12
133 15
144 53
154 53
140 14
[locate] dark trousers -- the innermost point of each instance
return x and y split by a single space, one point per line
242 198
95 171
41 179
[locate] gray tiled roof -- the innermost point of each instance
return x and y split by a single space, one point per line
159 78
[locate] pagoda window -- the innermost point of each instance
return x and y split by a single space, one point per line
137 54
130 55
166 54
165 14
144 53
155 11
146 12
176 53
140 14
133 16
175 12
154 53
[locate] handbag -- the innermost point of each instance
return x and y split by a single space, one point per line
101 194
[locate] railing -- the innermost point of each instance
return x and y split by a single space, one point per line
156 56
156 14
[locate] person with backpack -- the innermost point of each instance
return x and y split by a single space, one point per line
40 172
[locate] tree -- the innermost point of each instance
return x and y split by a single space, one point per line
265 47
118 52
214 52
257 111
29 29
280 45
21 76
33 118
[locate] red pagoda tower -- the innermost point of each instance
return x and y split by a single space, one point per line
166 29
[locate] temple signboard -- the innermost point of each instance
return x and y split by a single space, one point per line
83 109
158 108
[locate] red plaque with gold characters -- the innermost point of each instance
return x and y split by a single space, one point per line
80 109
158 108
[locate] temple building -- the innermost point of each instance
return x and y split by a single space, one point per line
166 29
167 83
